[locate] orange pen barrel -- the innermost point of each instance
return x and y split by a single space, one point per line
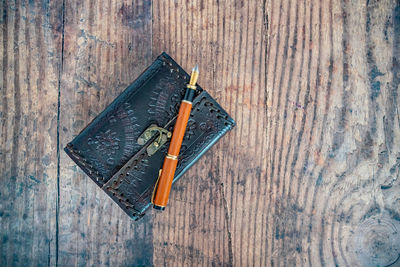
180 128
161 195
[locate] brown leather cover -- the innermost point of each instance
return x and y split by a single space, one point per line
107 149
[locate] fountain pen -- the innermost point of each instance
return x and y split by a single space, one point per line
167 173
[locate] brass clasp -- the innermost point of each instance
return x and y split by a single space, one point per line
156 144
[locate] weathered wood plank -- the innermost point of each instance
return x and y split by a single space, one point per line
333 133
107 44
213 214
30 40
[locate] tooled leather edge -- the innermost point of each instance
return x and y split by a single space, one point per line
175 67
83 163
92 173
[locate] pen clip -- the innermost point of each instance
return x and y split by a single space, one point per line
155 186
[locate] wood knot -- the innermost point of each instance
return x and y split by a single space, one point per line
377 241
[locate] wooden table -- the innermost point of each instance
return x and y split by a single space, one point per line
309 177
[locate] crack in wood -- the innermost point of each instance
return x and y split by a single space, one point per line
228 223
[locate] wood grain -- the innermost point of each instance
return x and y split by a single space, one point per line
332 134
105 48
30 49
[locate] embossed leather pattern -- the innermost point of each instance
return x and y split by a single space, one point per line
107 149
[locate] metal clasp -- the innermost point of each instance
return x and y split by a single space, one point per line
149 134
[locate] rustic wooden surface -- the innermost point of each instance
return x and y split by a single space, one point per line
30 50
309 177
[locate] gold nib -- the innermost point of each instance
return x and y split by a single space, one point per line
194 75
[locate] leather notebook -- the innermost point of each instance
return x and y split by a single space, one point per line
123 148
